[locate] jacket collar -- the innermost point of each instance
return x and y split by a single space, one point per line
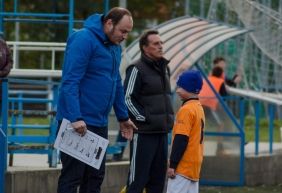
155 64
189 99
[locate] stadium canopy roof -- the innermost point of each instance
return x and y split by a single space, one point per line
186 40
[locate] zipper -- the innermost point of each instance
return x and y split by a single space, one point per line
166 101
163 77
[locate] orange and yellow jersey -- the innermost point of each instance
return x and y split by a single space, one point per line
190 121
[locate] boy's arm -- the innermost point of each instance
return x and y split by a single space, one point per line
182 131
179 146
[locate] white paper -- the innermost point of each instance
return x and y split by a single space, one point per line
89 148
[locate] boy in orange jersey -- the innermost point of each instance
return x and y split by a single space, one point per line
188 132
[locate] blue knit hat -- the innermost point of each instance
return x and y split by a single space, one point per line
191 81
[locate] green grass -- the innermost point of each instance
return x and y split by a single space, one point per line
33 121
37 120
255 189
264 129
249 128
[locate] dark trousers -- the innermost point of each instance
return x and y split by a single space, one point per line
148 164
76 174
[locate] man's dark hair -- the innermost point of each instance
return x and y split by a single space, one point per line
144 38
116 14
217 71
218 59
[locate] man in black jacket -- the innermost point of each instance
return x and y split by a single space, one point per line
148 98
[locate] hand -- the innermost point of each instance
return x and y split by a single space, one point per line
127 128
237 78
171 173
79 127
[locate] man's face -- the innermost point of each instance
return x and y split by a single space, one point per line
154 49
221 64
119 32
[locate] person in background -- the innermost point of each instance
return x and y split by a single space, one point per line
148 98
6 63
213 110
233 82
188 133
91 85
207 96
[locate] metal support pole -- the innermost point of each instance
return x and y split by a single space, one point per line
52 155
71 11
123 3
106 6
1 16
3 135
202 8
271 109
280 7
242 113
187 7
257 118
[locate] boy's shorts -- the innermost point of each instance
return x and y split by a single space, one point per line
179 184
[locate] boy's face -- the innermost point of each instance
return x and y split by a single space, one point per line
183 94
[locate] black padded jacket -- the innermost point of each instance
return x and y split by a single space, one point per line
148 95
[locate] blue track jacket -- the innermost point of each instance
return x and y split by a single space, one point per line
91 83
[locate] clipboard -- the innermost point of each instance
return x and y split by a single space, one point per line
90 148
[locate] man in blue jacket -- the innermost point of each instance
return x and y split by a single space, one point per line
91 85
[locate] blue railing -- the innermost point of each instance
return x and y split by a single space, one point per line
242 101
14 107
17 122
13 119
38 17
3 135
255 106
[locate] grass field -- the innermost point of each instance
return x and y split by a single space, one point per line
256 189
34 121
264 136
249 128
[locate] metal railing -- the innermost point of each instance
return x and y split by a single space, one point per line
51 47
16 103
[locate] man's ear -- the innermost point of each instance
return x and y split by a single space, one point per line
144 47
111 27
109 24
